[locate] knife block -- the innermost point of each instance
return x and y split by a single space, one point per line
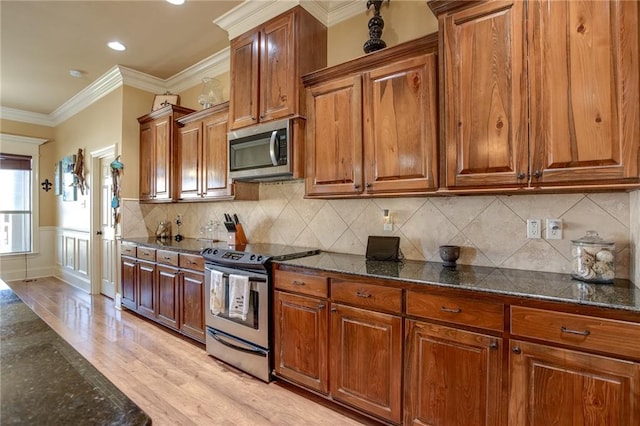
237 238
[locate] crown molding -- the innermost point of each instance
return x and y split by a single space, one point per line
212 66
26 117
5 137
250 14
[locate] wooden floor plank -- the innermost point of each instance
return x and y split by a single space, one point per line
172 379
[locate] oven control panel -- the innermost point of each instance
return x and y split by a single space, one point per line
233 257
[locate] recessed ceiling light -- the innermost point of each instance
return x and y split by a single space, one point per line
76 73
178 2
116 45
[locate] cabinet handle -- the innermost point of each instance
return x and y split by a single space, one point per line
516 350
298 283
166 258
362 294
356 185
569 331
537 174
191 262
368 185
521 175
321 306
451 310
334 309
493 345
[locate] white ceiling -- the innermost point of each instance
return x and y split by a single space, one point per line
41 41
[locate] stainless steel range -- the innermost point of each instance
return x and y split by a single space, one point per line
238 303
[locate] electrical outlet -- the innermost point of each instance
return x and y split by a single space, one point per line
534 228
554 229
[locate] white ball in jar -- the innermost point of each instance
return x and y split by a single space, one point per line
604 255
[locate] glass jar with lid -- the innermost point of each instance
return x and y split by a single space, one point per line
593 259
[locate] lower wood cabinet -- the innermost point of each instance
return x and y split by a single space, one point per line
556 386
366 360
169 291
453 377
301 325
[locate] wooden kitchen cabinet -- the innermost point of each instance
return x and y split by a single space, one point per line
527 101
372 124
266 64
551 385
157 135
301 336
202 155
567 384
129 281
366 360
166 287
453 376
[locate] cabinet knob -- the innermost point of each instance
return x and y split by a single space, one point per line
537 174
356 185
321 306
521 175
493 345
334 309
368 185
516 350
297 283
362 294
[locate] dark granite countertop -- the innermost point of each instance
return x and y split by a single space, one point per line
187 245
622 294
47 382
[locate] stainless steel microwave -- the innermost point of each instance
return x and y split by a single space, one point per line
261 151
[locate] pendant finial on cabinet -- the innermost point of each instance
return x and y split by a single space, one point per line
376 24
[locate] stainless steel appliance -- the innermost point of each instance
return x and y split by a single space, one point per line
244 343
261 151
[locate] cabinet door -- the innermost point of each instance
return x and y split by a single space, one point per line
192 301
162 129
147 163
301 325
334 137
585 120
400 138
485 91
279 83
244 61
168 296
553 386
215 181
366 360
453 377
129 282
147 293
189 159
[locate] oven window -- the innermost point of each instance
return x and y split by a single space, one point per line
252 315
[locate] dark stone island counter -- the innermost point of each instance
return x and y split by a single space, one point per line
44 381
620 295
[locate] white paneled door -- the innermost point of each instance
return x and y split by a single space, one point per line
106 234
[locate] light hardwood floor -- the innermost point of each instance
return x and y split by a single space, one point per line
173 380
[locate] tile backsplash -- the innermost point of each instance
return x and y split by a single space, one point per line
491 229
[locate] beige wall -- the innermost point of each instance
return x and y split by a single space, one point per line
189 97
97 126
403 21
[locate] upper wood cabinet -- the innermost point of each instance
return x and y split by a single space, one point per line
157 135
539 94
202 155
372 124
266 66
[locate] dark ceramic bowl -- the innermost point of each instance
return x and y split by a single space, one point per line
449 255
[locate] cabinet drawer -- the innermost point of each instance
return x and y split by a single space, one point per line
146 253
192 261
128 250
311 285
606 335
367 295
167 257
456 310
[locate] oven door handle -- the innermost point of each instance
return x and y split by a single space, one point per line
218 337
229 271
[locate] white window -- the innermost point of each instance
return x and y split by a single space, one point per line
19 224
15 205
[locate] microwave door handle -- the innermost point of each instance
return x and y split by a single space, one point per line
272 148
